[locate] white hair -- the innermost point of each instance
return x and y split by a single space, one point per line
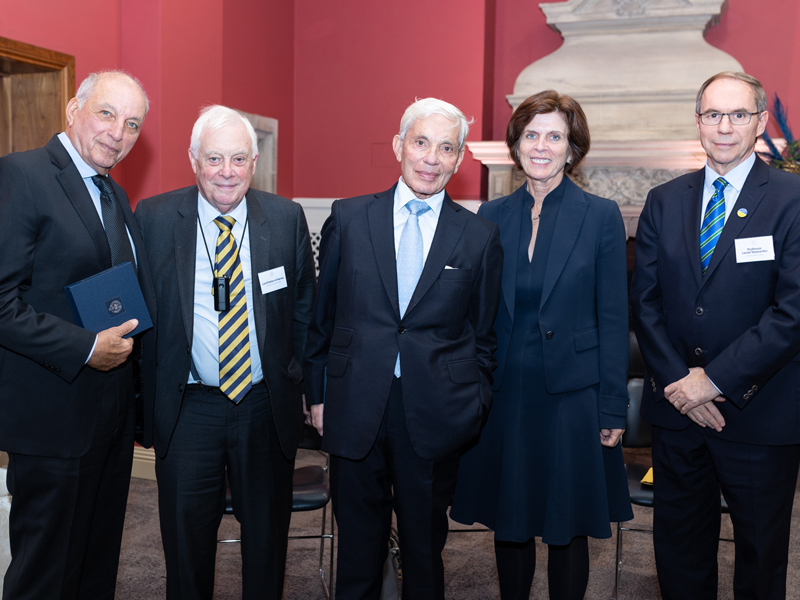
425 107
216 117
87 86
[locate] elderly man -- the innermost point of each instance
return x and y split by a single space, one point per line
409 286
66 394
715 296
228 382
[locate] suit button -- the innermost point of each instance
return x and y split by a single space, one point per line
180 387
698 351
699 310
754 388
401 329
188 350
549 335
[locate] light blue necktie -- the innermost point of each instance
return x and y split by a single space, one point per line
409 260
712 222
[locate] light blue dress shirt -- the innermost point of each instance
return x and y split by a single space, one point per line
205 331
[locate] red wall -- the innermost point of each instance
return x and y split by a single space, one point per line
358 65
338 76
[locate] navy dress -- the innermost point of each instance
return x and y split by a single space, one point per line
538 468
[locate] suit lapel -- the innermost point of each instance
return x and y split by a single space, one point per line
565 234
750 197
510 226
72 182
691 204
185 239
448 232
260 238
381 231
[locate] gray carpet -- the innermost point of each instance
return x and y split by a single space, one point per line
468 558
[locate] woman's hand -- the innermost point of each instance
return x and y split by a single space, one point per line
610 437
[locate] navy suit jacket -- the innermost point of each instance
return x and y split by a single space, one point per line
739 321
278 237
52 237
583 314
445 339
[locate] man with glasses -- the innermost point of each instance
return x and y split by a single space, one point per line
716 296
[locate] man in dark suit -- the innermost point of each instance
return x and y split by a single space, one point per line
67 394
409 286
228 382
715 296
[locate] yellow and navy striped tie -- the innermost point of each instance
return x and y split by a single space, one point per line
235 378
713 222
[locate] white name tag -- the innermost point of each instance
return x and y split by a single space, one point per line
274 279
754 249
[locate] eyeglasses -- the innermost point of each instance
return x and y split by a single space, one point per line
736 118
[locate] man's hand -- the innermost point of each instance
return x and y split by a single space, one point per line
691 391
316 416
111 349
708 415
610 437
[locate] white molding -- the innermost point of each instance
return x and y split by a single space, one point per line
144 463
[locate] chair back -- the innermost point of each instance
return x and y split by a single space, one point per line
635 359
637 430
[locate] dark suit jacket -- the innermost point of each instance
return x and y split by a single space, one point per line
445 339
739 321
278 237
52 237
583 314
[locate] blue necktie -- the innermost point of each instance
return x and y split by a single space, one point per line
712 223
409 260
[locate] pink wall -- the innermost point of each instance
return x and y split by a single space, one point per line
338 76
358 66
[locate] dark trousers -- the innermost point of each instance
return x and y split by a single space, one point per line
758 482
364 493
67 514
214 436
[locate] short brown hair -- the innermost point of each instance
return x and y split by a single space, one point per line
547 102
759 95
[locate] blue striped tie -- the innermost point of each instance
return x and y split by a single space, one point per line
235 378
712 222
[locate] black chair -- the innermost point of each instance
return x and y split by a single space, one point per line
311 491
637 435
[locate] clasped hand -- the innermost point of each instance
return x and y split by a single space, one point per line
111 348
693 396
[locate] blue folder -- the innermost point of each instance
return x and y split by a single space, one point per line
108 299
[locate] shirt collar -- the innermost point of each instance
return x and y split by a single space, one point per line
735 177
208 213
403 195
85 170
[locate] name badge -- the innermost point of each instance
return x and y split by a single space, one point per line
272 280
754 249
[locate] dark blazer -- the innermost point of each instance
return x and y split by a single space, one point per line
445 339
52 237
739 321
583 314
278 237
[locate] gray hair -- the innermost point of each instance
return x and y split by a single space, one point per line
87 86
216 117
425 107
758 90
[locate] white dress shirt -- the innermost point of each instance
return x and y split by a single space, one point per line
427 221
205 331
735 178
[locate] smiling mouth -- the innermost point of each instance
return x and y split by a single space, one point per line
541 161
427 176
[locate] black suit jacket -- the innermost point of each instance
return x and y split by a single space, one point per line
445 338
52 237
278 237
739 321
583 314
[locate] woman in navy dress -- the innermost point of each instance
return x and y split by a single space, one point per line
547 463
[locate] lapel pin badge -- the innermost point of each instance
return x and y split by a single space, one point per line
742 212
